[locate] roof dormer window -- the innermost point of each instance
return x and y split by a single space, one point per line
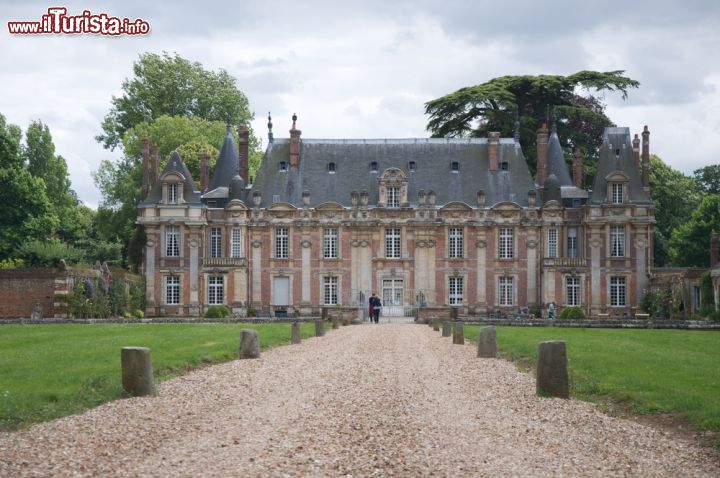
331 168
172 193
412 166
454 166
282 167
373 167
504 165
617 193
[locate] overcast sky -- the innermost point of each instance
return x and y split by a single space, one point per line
365 69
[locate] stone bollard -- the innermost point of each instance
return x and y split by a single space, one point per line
295 333
446 328
137 372
458 333
319 328
435 324
552 376
335 323
249 344
487 343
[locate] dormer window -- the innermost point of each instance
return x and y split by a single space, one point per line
393 196
282 167
393 188
617 193
412 166
504 165
331 168
618 187
454 166
373 167
172 193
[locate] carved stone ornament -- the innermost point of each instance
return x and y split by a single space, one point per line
256 243
481 243
641 243
194 243
531 243
595 243
359 243
617 211
364 243
507 214
425 242
280 214
150 243
305 243
236 213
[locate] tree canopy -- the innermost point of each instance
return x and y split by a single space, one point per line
492 106
708 178
689 244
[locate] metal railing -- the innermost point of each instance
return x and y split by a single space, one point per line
565 262
224 262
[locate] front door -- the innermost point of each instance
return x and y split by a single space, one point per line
281 289
392 298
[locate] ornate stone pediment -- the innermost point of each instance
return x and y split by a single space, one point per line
281 210
507 210
330 210
456 209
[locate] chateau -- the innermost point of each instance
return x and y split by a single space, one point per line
424 222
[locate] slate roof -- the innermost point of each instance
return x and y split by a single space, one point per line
556 160
433 158
190 195
616 155
227 164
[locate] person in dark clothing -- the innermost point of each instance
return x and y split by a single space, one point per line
375 305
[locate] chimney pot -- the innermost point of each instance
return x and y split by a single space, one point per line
494 151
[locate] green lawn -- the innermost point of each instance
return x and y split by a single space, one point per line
49 371
653 371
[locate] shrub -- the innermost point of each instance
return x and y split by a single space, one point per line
251 312
10 263
138 314
535 310
117 297
48 253
127 315
572 313
714 316
217 312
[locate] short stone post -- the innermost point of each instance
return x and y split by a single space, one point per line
319 328
552 376
335 322
249 344
487 343
435 324
324 313
295 333
458 333
446 328
137 372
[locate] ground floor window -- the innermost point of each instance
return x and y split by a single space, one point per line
330 290
216 290
172 290
455 291
617 291
506 291
572 291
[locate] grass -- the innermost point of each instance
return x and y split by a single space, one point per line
650 371
49 371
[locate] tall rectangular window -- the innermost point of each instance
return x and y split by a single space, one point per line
506 243
330 290
392 243
455 243
572 291
330 243
552 243
236 243
506 291
282 236
697 298
215 242
216 290
455 291
617 241
172 190
172 290
617 193
393 196
572 242
617 291
172 241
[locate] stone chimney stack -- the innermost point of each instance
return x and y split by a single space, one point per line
714 247
145 168
646 159
294 144
577 168
204 170
243 151
154 160
493 151
636 151
542 143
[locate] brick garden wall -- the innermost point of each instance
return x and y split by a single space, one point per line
21 288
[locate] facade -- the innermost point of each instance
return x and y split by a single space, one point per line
425 222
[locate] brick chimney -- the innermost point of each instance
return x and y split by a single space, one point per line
153 164
636 151
646 159
204 157
493 151
542 143
713 250
145 168
577 168
294 144
243 148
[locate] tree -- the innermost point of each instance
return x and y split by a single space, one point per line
671 209
492 106
708 178
170 85
689 244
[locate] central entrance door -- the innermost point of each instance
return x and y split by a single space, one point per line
281 293
393 292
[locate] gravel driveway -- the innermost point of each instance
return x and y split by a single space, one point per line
385 400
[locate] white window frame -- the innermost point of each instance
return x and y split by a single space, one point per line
172 193
215 242
393 196
330 243
618 291
330 290
573 291
552 243
617 191
455 242
456 290
393 237
506 243
172 290
617 241
236 242
172 241
282 243
216 290
572 242
506 291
